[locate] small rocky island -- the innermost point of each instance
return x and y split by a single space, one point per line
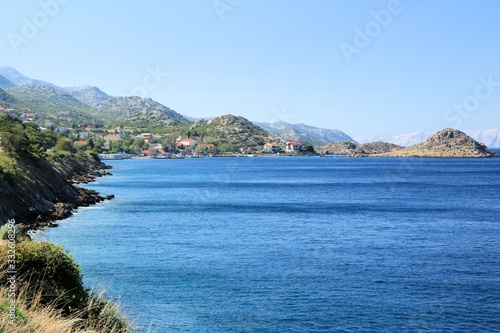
448 143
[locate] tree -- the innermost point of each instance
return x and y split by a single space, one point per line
64 145
91 144
307 148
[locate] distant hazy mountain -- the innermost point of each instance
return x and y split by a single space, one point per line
88 94
403 140
133 106
19 79
490 138
4 82
195 119
305 133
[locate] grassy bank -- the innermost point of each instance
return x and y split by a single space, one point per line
42 292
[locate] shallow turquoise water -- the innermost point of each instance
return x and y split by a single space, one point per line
297 244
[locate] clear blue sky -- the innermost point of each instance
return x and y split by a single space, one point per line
279 59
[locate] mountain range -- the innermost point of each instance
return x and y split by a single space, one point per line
17 78
315 136
89 103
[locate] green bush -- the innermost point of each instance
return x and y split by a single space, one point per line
48 269
64 145
8 166
4 232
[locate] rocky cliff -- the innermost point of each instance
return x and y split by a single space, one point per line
43 191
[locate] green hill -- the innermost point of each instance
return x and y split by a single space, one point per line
228 132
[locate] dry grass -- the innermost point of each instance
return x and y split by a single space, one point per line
35 317
31 315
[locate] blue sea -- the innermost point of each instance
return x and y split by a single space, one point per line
296 244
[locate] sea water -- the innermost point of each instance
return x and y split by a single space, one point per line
296 244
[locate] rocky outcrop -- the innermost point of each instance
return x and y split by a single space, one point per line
231 131
44 191
88 95
448 143
355 150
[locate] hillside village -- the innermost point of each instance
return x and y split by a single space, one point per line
121 142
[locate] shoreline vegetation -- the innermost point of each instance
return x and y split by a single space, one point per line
41 285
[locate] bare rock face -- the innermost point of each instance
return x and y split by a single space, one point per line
44 192
447 143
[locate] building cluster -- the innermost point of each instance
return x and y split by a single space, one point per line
184 145
277 147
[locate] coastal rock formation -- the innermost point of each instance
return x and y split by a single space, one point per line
44 192
446 143
354 150
490 138
376 148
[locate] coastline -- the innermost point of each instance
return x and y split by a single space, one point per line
85 198
47 192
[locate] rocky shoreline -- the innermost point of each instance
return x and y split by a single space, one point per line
86 198
45 192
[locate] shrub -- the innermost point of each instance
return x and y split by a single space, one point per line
8 166
53 283
50 270
4 232
64 145
104 315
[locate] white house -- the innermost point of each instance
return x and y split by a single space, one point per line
272 148
293 147
186 142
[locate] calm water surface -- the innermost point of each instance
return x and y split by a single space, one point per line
296 244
